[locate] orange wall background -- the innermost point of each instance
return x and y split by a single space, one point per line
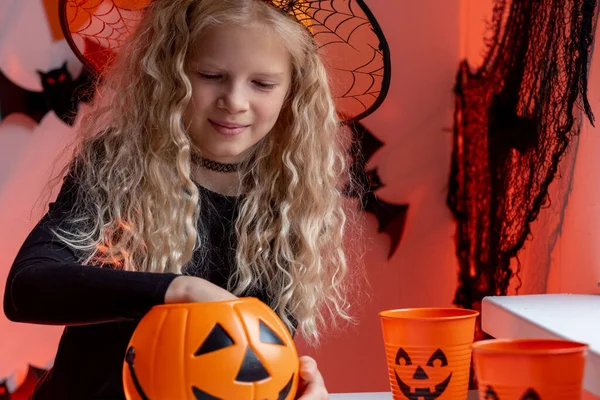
427 38
415 123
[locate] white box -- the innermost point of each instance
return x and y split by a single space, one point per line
550 316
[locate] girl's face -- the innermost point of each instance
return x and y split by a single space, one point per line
240 77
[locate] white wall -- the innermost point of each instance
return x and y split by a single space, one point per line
27 152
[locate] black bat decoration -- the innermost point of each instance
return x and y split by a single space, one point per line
61 94
25 390
4 394
391 217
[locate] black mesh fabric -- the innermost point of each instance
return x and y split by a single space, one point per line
514 119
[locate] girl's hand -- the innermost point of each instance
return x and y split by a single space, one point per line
312 386
190 289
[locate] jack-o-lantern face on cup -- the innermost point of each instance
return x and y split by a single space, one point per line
428 352
529 368
530 394
205 351
420 380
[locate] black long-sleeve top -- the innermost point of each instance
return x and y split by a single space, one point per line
100 307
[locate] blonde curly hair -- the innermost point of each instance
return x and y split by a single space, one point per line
139 206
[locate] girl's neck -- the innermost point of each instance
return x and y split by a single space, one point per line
226 183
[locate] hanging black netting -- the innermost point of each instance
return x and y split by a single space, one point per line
514 119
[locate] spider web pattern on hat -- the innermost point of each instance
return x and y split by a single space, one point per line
350 40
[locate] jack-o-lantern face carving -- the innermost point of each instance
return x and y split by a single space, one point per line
490 394
207 351
530 394
429 380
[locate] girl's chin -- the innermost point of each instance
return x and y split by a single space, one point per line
225 152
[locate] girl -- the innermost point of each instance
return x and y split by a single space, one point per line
210 167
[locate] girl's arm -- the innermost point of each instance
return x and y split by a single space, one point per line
46 284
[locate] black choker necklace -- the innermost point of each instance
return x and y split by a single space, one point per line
214 165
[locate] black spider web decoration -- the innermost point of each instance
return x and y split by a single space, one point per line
355 50
112 32
105 27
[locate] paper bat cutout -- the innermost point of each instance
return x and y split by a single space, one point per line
60 94
23 392
391 217
368 143
4 394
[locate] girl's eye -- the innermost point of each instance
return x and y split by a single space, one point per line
260 84
209 77
264 85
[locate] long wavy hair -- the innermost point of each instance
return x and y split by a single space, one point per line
138 206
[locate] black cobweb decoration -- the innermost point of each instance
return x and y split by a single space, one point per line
515 117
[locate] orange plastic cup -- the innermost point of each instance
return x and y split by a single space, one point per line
529 369
428 352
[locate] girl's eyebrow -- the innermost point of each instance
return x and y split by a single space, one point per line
204 64
270 75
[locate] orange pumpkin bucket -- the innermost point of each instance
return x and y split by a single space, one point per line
529 369
237 349
428 352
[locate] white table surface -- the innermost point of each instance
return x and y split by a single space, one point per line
361 396
379 396
559 316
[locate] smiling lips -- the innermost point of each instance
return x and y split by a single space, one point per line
227 128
